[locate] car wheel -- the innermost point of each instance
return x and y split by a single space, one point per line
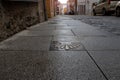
118 12
94 13
104 12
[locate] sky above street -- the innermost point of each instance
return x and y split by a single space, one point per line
63 1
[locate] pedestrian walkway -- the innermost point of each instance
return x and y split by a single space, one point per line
60 49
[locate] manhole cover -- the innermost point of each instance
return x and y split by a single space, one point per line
65 46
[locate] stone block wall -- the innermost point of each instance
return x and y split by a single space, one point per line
16 16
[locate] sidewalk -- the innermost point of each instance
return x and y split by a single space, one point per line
60 49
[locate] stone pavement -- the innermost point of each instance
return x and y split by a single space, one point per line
60 49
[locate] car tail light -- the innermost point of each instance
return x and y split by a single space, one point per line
109 1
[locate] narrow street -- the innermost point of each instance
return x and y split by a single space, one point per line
62 48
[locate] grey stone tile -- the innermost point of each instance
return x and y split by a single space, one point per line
66 38
63 32
42 28
69 22
26 43
64 28
101 43
56 23
47 25
76 23
109 61
89 32
35 33
88 27
59 25
46 33
42 65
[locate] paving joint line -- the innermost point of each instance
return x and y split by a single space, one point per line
49 50
23 50
106 50
34 36
51 42
96 63
73 32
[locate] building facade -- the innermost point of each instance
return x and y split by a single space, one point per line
81 7
84 7
51 8
59 8
72 6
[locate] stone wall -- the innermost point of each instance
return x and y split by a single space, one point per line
1 14
41 10
16 16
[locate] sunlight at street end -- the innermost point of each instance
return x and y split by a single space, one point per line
63 1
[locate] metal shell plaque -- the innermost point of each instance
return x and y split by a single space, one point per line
65 46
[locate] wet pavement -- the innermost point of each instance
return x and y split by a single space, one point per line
61 49
106 23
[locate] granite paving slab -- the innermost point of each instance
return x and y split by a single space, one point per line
101 43
109 61
42 65
26 43
46 33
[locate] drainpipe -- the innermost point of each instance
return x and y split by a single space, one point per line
45 12
54 7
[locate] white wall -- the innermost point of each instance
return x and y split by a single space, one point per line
88 4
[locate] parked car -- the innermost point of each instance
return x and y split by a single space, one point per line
71 12
106 7
118 9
